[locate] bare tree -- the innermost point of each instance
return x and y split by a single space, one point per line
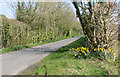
98 22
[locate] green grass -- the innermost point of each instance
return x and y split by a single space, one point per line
61 62
6 50
119 43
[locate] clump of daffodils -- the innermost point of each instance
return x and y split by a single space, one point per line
81 51
85 52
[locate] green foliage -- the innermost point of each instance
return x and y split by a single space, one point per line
80 52
54 19
99 53
39 22
5 32
61 62
6 50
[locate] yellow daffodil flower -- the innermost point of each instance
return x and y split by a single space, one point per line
103 51
109 50
98 49
94 49
112 51
87 50
113 54
72 48
73 57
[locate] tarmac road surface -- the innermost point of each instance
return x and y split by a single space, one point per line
15 62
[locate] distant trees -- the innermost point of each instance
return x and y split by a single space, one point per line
54 18
98 21
38 22
0 30
5 32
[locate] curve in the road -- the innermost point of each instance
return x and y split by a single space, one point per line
15 62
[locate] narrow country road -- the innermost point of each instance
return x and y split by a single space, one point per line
15 62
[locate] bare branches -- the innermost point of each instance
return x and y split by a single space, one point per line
37 22
97 21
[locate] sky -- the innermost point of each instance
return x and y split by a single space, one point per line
5 8
119 11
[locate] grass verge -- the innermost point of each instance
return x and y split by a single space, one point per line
6 50
61 62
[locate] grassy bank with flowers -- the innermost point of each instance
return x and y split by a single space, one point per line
74 59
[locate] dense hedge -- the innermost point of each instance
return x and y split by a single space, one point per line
15 33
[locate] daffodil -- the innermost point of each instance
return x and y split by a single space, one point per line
94 49
109 50
112 51
103 51
81 50
98 49
75 54
113 54
87 50
73 57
